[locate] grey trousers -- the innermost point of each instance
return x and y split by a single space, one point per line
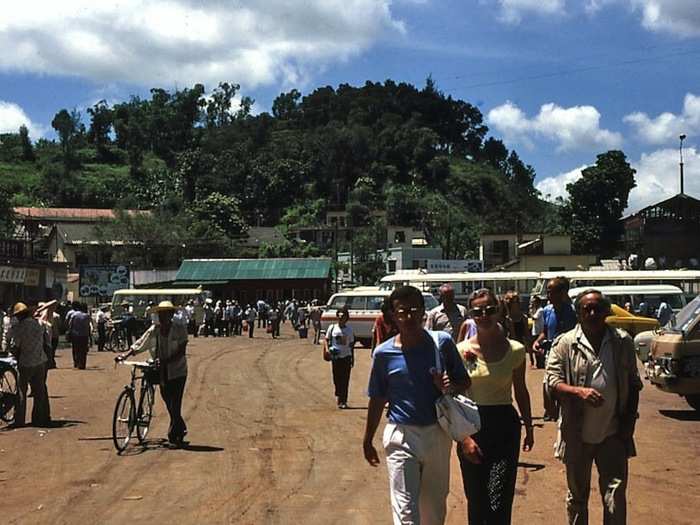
610 458
36 377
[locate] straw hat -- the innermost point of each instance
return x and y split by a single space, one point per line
166 306
20 308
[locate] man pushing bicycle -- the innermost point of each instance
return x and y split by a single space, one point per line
166 341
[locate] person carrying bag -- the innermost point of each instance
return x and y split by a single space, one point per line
456 413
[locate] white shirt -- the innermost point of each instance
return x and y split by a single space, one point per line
340 340
537 322
600 422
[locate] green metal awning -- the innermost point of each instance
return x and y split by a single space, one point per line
209 271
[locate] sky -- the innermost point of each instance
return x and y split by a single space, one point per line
559 81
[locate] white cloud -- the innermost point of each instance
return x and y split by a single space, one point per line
165 42
553 187
574 128
512 11
666 127
12 117
658 176
681 17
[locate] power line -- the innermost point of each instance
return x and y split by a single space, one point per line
584 69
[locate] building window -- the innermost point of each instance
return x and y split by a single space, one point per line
391 266
399 237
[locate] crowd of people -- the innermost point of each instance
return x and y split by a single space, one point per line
591 384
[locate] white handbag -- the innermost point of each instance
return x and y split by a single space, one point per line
456 414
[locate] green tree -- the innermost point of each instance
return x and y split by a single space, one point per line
68 128
218 106
101 118
596 201
217 215
26 144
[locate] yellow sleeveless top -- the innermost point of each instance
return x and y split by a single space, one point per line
492 383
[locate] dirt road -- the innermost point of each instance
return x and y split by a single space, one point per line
268 446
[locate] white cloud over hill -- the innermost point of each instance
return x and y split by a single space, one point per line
666 127
12 117
166 42
573 128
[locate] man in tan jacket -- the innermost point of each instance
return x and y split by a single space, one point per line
592 370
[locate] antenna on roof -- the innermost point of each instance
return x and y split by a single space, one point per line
680 149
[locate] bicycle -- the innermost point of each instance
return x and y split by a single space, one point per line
8 389
127 414
116 340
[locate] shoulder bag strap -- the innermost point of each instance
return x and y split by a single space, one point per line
436 345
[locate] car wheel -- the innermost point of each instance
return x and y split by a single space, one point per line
694 401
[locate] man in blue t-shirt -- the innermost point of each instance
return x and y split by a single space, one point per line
404 375
558 317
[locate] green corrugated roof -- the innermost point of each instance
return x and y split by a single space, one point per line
205 270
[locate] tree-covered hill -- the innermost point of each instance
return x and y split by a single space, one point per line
208 169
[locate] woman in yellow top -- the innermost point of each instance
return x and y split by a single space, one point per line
489 459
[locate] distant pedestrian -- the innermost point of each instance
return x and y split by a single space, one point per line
558 317
102 321
251 314
315 317
80 328
384 325
338 349
52 321
28 341
448 316
208 319
536 312
274 316
664 313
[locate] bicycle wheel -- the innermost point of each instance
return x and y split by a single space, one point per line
113 341
124 420
145 412
8 395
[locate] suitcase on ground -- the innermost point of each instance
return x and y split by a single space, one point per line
303 332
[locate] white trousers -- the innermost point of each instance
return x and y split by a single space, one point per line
418 460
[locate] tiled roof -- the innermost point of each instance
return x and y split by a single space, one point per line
205 270
82 214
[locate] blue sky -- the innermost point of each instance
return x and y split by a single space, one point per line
560 81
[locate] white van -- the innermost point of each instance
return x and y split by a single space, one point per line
364 305
634 294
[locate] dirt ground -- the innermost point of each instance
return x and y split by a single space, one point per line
268 446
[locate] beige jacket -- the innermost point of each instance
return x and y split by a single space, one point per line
568 363
177 337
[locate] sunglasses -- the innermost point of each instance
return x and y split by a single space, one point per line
594 309
405 313
481 312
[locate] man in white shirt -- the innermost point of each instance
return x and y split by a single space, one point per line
338 348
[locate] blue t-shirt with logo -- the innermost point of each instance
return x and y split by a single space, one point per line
402 375
556 322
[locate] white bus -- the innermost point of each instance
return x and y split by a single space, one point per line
464 283
686 280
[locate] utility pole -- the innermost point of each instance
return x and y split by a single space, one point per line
680 149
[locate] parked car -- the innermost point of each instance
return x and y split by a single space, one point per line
364 305
673 364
